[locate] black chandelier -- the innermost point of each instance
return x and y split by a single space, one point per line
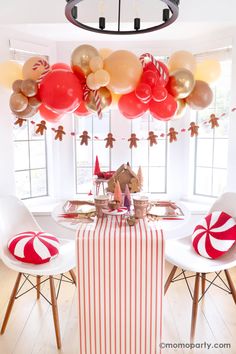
170 14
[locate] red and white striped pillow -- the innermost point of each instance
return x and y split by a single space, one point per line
214 235
34 247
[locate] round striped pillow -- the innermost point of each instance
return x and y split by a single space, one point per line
34 247
214 235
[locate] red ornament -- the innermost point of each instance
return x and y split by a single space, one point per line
131 107
62 66
97 170
82 110
61 91
49 115
143 92
159 93
164 110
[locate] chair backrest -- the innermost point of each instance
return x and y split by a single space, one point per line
15 218
227 203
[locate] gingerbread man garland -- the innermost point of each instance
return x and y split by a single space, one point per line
152 138
172 135
213 121
41 127
193 129
133 141
109 140
20 122
59 133
84 138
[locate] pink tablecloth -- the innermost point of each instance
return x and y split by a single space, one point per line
120 287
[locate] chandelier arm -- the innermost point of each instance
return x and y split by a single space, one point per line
173 6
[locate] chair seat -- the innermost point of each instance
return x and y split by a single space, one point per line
64 262
181 253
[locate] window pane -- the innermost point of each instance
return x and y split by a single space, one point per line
38 182
21 155
157 178
140 154
219 181
22 184
204 152
84 154
20 133
102 153
37 154
157 154
203 181
221 153
84 180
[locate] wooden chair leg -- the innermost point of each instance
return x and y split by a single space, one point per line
38 279
169 279
73 276
203 283
195 307
231 285
55 312
11 303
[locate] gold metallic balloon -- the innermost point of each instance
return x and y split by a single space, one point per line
181 83
81 57
105 96
29 88
181 109
16 86
18 102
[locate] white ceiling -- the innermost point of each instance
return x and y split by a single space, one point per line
45 18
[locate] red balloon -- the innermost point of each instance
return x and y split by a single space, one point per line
79 74
149 77
61 91
82 110
62 66
159 93
49 115
131 107
160 80
164 110
143 91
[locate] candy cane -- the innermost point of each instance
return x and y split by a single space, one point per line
154 61
44 63
97 100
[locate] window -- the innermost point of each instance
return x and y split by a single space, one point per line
151 159
211 145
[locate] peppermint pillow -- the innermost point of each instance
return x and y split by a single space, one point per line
34 247
214 235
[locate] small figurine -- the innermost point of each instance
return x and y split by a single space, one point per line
41 127
172 135
20 122
152 138
193 129
84 138
59 133
133 141
213 121
109 140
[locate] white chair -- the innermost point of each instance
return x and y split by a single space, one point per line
181 254
16 218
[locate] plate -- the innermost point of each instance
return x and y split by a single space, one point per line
165 210
116 212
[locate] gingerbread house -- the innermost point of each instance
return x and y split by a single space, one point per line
125 175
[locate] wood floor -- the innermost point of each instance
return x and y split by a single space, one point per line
30 328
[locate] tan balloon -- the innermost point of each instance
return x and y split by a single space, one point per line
105 52
27 113
105 96
90 81
9 72
125 71
181 109
81 57
209 70
18 102
16 86
29 73
29 87
181 83
96 63
34 102
201 96
115 99
102 77
182 60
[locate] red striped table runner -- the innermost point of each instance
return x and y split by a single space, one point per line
120 287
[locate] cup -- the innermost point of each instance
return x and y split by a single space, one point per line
101 202
141 205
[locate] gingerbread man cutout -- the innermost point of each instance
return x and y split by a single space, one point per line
172 135
109 140
133 141
152 138
41 127
84 138
193 129
214 121
20 122
59 133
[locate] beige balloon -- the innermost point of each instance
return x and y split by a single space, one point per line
18 102
182 60
125 71
10 71
105 52
105 96
201 96
181 83
102 77
81 57
29 88
209 70
96 63
90 81
29 73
